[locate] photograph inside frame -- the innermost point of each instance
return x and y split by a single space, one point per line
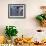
16 10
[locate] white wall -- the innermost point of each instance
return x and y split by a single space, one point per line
25 26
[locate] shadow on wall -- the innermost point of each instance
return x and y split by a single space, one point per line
2 30
34 22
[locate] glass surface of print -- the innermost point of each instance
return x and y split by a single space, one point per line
16 10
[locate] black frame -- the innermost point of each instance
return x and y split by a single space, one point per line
24 9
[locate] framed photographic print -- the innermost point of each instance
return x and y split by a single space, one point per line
16 10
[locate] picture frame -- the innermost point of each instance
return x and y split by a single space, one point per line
16 10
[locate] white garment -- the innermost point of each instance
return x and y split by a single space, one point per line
38 36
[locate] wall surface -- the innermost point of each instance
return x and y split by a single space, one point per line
27 26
